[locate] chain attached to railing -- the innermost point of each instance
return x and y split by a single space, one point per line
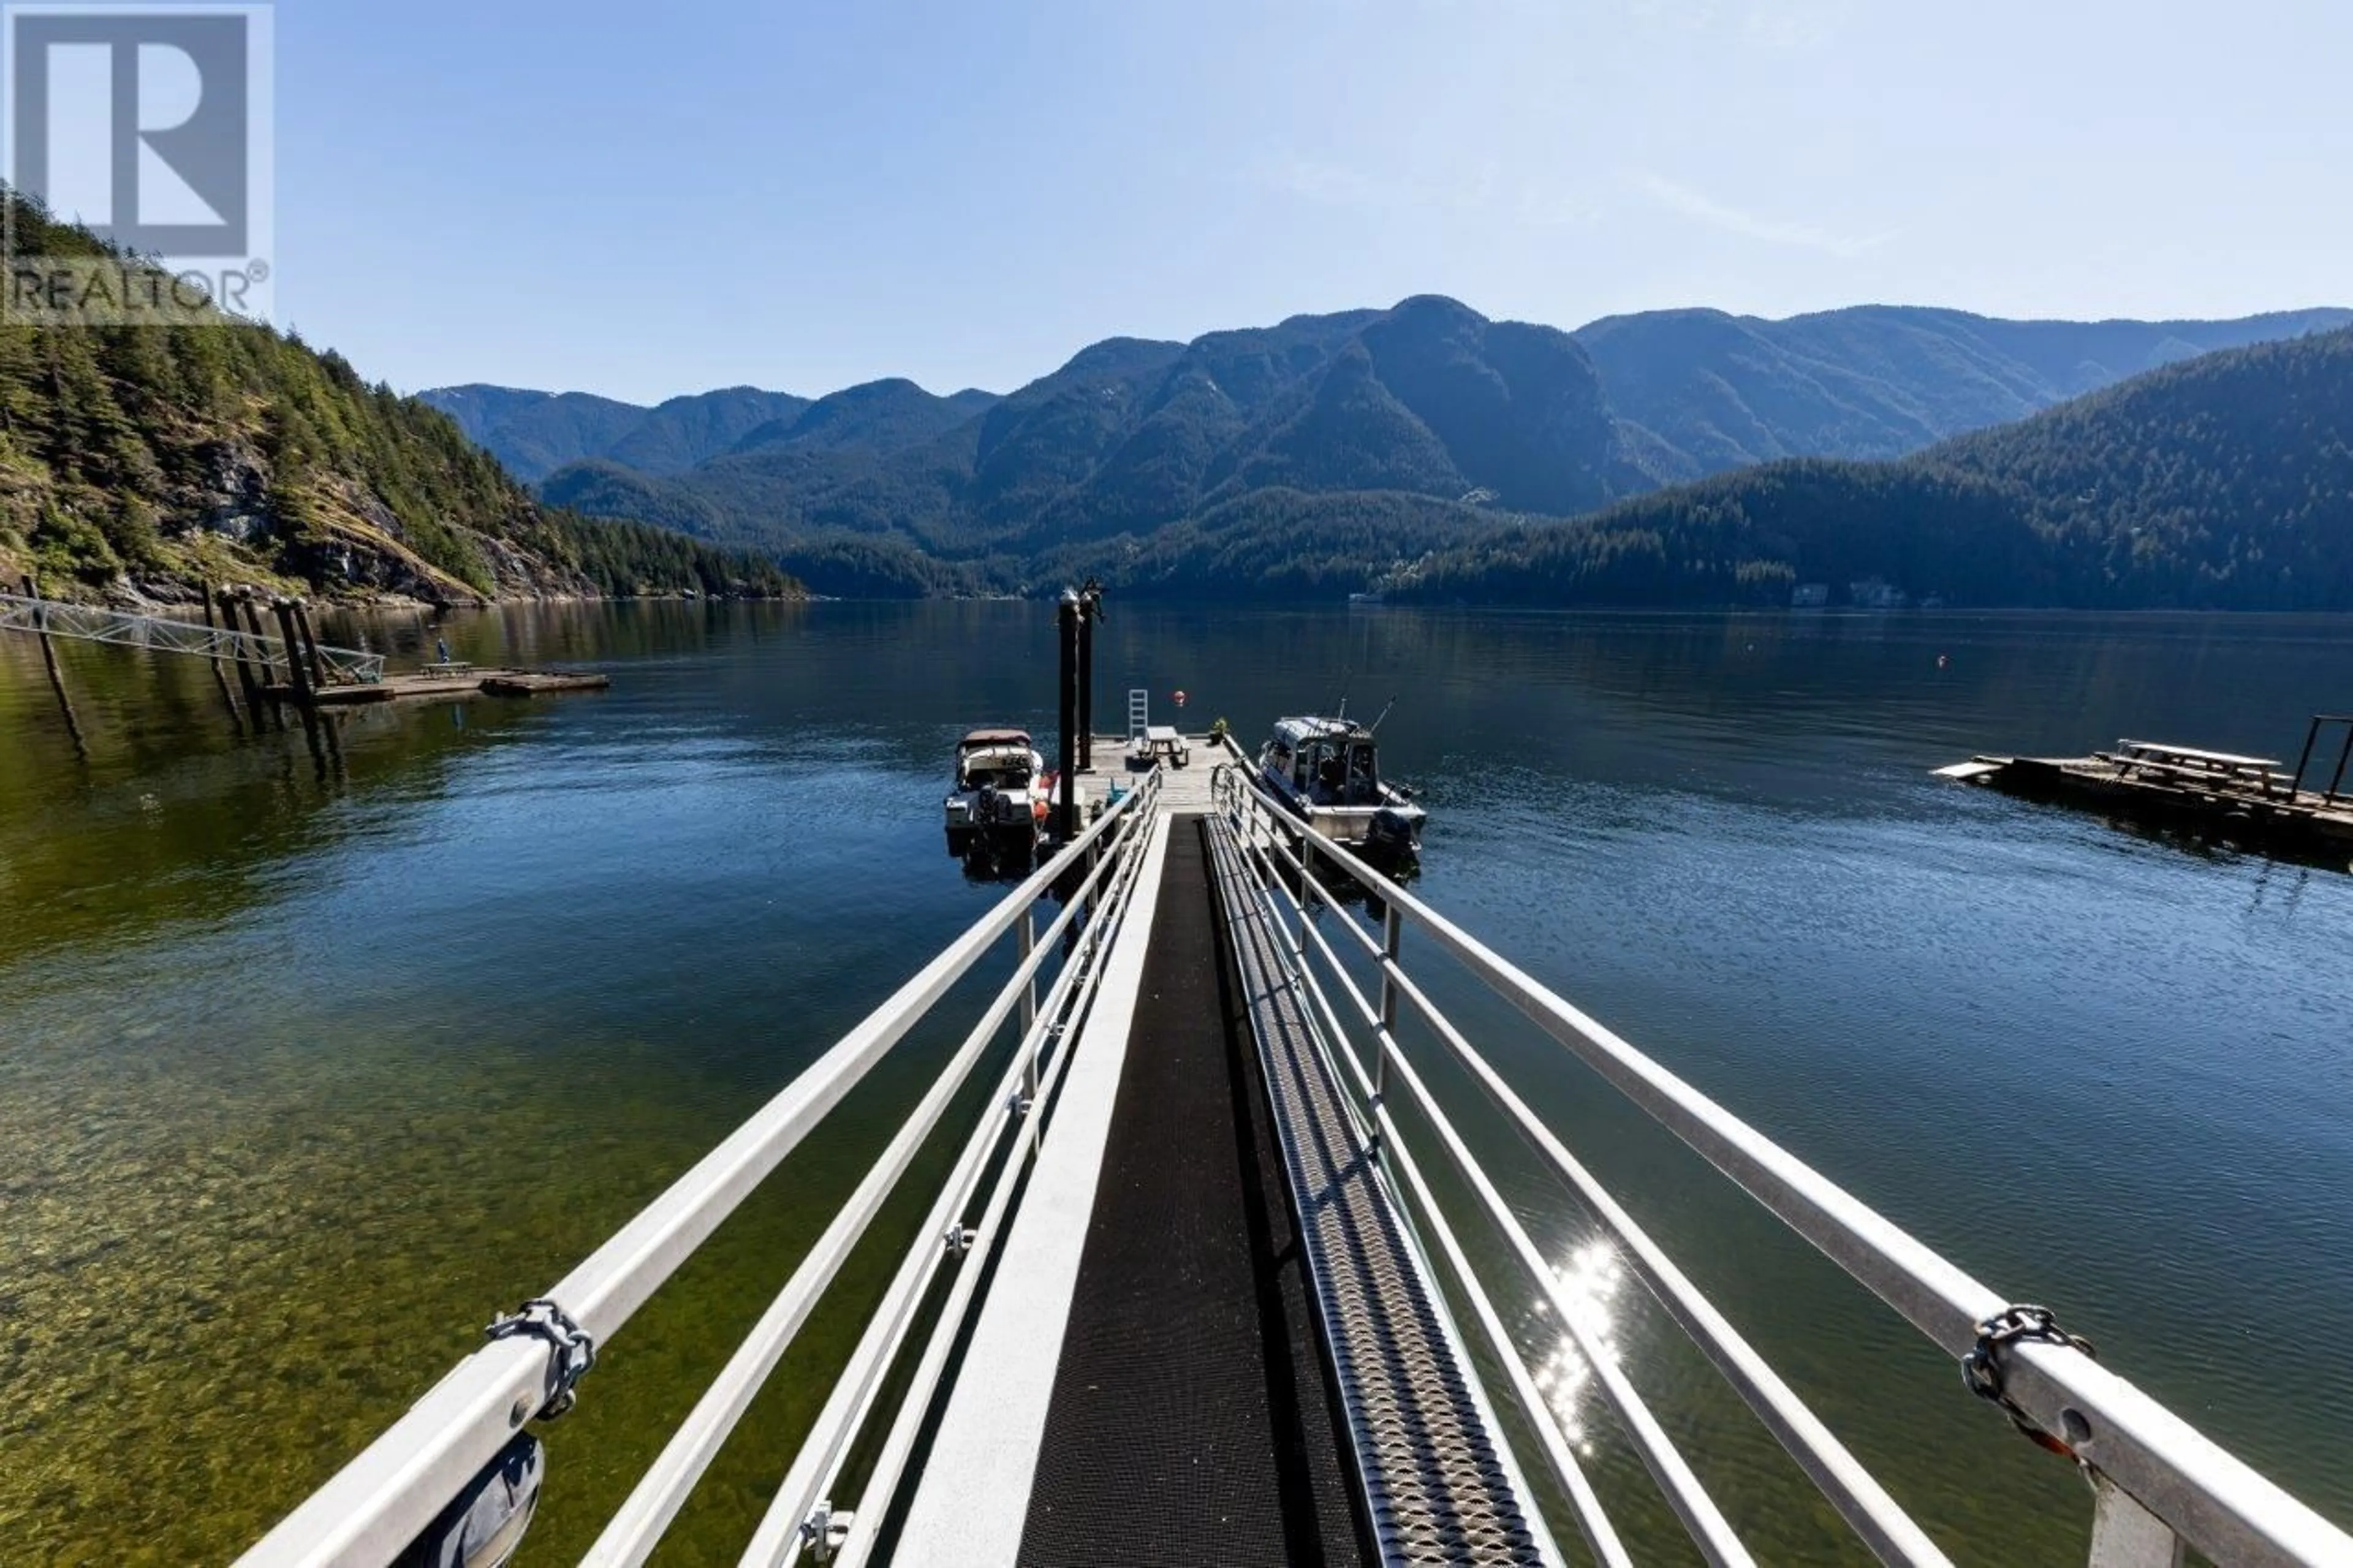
1981 1369
573 1355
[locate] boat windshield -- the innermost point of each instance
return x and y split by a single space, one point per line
1337 771
996 769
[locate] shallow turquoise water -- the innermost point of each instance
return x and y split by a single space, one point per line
304 1071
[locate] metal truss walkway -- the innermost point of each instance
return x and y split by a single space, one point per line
164 634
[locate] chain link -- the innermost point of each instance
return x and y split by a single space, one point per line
575 1352
1981 1368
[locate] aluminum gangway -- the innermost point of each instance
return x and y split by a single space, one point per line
166 633
936 1439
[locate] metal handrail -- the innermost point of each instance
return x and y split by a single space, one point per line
634 1531
2158 1481
786 1526
379 1502
165 633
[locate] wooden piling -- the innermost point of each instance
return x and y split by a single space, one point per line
220 676
269 664
244 667
297 669
310 646
253 628
57 677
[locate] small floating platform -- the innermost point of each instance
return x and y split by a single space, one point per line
449 681
535 682
2239 799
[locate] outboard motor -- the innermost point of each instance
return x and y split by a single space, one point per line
1391 839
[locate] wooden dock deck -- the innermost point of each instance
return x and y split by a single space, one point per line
1184 792
2237 799
454 683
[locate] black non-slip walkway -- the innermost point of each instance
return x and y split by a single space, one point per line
1192 1418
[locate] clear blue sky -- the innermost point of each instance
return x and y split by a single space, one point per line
646 199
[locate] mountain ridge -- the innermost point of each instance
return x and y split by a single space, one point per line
1129 434
1720 391
1428 398
534 433
2220 482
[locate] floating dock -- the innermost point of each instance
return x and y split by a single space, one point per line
449 682
2240 799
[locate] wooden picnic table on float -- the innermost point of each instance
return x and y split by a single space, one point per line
2192 765
1163 741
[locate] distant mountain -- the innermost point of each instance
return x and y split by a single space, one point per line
1429 398
879 416
675 435
1705 391
134 459
2223 482
536 433
1139 455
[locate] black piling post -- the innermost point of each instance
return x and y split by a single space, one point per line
1089 612
220 676
297 674
2342 758
57 677
1066 810
269 663
254 628
310 646
244 667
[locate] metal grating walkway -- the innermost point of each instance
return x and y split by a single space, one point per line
1192 1418
1440 1488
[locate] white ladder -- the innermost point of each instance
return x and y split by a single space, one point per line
1139 712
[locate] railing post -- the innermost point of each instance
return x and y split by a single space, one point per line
2295 780
1028 945
2127 1535
1392 939
1299 937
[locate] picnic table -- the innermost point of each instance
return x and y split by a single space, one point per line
1159 740
2192 765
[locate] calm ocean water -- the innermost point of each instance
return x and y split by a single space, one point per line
302 1077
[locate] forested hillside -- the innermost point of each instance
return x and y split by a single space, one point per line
2224 482
159 456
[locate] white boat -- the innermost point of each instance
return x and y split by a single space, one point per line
1001 796
1326 772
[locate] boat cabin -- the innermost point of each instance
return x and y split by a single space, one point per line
1325 761
995 759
